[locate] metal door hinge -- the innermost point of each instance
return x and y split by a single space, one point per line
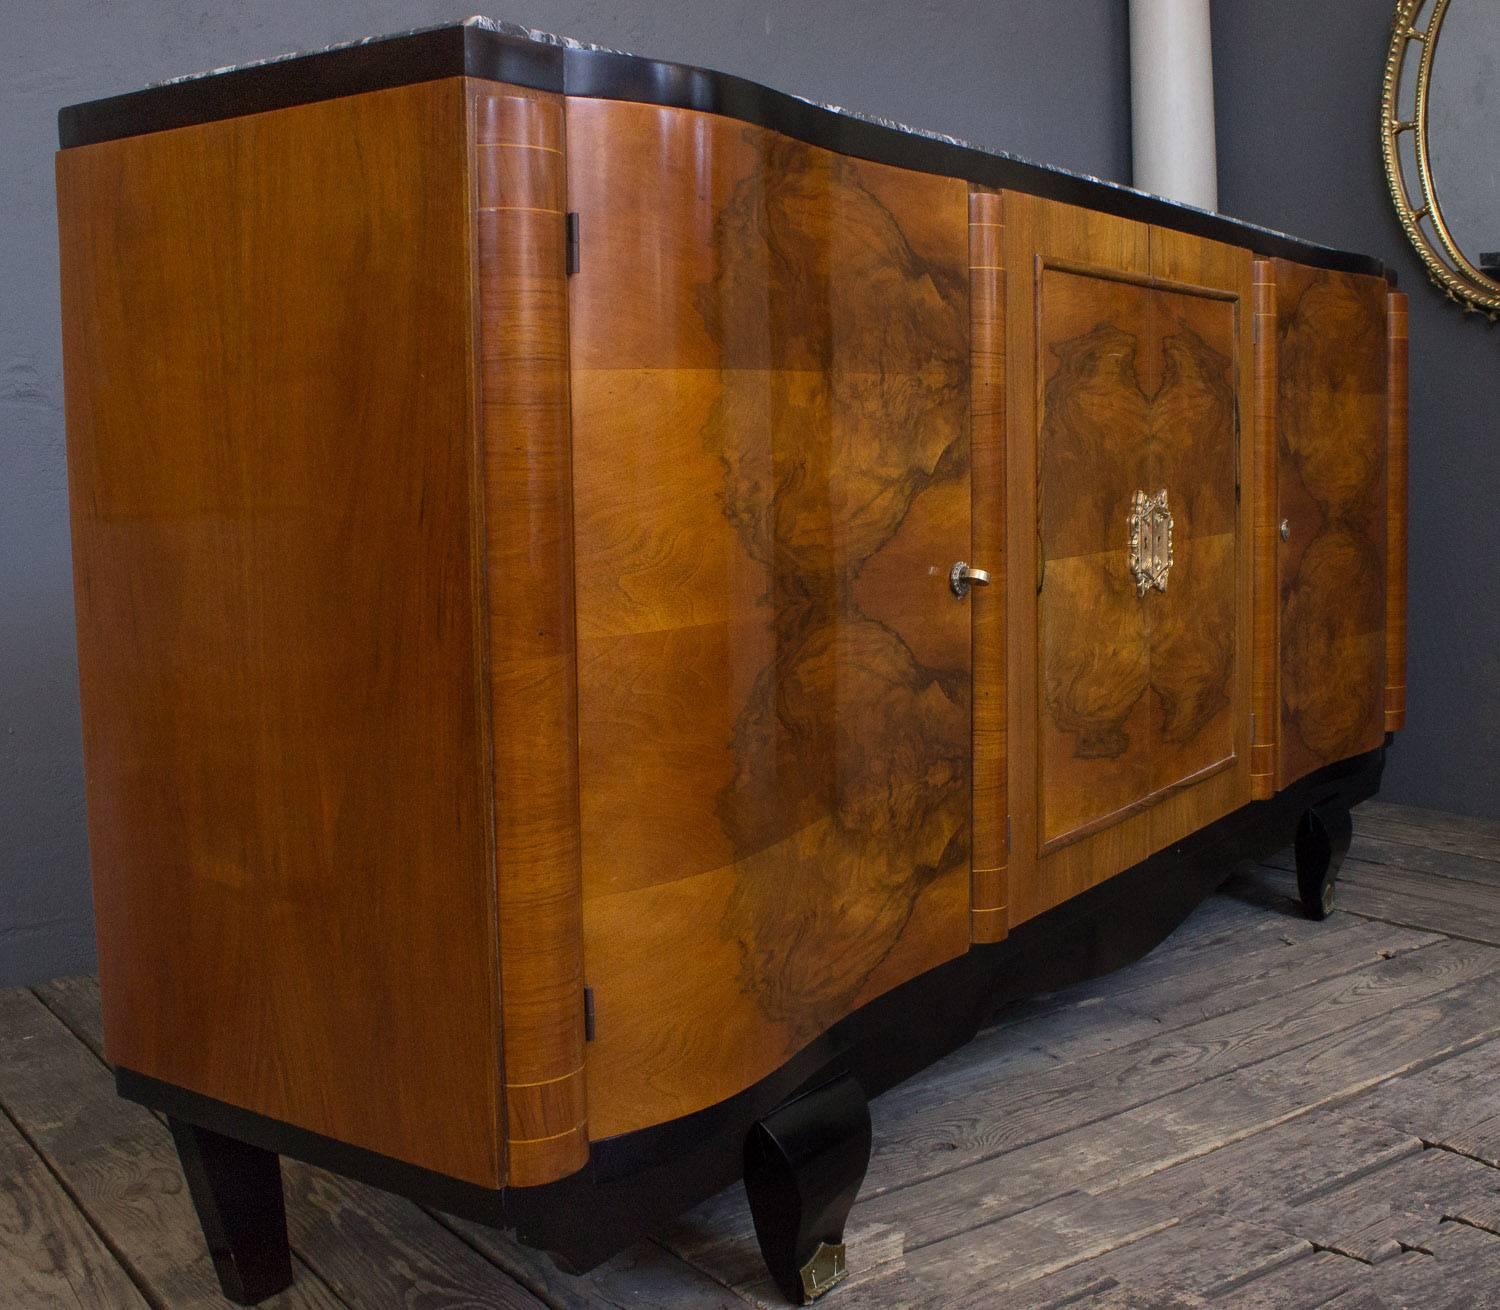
572 237
588 1014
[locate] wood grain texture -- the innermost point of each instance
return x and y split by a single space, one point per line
1043 238
1331 423
271 449
989 902
1194 624
1094 638
519 183
1141 702
771 462
49 1254
1202 637
1397 390
1266 605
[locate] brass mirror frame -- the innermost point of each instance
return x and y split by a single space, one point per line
1446 264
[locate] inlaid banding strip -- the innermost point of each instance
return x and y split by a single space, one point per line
519 191
1397 395
988 880
1266 586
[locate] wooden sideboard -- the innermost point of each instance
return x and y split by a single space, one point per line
619 611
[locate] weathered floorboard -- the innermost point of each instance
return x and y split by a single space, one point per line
115 1158
645 1275
1209 974
49 1253
1434 829
1460 909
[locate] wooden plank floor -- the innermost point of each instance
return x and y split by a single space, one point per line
1263 1112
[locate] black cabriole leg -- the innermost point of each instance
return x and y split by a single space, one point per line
804 1164
1323 835
236 1189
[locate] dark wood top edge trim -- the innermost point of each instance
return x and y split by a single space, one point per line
376 65
462 50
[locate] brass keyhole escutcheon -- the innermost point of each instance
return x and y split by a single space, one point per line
1150 541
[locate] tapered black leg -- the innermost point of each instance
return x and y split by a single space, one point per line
1323 835
804 1164
237 1191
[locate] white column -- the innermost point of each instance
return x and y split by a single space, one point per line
1172 100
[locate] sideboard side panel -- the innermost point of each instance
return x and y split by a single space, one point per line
520 185
770 349
271 446
1395 563
1331 425
989 902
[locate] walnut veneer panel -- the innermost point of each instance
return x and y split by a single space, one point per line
771 459
271 441
989 907
1331 424
1193 450
1094 453
1140 705
1395 563
1080 251
1203 636
520 180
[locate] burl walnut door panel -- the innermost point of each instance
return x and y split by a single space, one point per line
1194 449
1331 458
771 468
1137 686
1130 686
1093 635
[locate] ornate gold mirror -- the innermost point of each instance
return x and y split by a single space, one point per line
1440 131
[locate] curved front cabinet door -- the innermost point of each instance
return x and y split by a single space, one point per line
770 361
1331 447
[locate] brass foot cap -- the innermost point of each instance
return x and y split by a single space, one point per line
826 1269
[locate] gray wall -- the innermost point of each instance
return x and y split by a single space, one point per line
1047 81
1298 101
